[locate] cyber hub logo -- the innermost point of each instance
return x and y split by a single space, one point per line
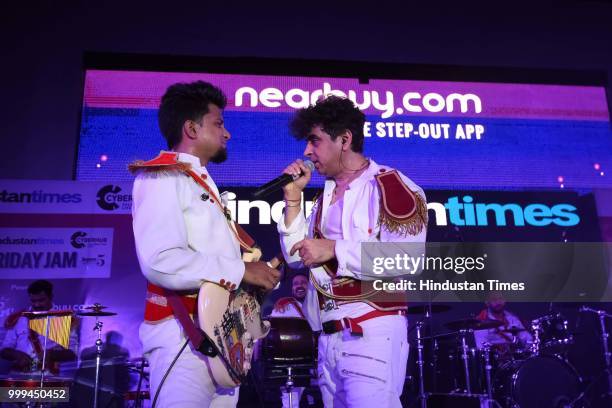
80 239
110 198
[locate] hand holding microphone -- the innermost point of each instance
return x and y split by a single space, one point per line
301 172
294 179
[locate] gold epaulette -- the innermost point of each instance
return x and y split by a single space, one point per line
166 161
401 210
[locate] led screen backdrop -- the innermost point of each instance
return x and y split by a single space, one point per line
456 135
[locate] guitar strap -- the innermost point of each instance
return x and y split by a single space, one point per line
244 239
196 336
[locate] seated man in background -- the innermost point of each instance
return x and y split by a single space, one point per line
506 338
24 347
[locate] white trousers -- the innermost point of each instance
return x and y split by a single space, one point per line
366 371
188 384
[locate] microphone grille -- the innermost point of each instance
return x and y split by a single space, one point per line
309 164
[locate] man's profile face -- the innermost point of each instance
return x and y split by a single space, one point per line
323 151
299 286
212 136
40 301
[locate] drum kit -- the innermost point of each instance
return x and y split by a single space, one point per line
451 364
45 380
287 356
535 373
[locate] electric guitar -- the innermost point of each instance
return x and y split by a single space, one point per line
232 321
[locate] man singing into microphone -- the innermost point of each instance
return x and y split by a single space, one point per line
363 348
184 237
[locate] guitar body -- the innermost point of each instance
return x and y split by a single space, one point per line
233 322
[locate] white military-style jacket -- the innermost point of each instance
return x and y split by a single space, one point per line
182 236
360 223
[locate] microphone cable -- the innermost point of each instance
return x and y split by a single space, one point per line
161 384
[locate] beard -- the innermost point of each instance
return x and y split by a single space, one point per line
220 156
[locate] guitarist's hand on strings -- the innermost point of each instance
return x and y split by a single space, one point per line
260 274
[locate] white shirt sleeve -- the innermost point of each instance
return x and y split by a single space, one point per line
17 337
292 234
162 245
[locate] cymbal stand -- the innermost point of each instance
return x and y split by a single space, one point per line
464 356
98 327
141 373
420 364
602 314
488 368
289 386
44 362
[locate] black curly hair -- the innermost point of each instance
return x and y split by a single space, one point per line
39 286
335 115
186 101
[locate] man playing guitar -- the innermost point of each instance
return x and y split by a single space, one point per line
184 237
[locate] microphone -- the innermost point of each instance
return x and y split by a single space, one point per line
280 182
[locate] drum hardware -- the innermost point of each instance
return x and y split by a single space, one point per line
287 355
141 374
420 363
96 311
289 386
45 314
473 324
137 396
467 327
488 368
465 358
535 344
551 334
602 315
427 310
523 376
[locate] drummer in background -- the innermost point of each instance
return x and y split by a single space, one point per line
24 347
292 307
511 332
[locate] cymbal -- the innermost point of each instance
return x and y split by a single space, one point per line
474 324
422 309
96 314
34 314
96 307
